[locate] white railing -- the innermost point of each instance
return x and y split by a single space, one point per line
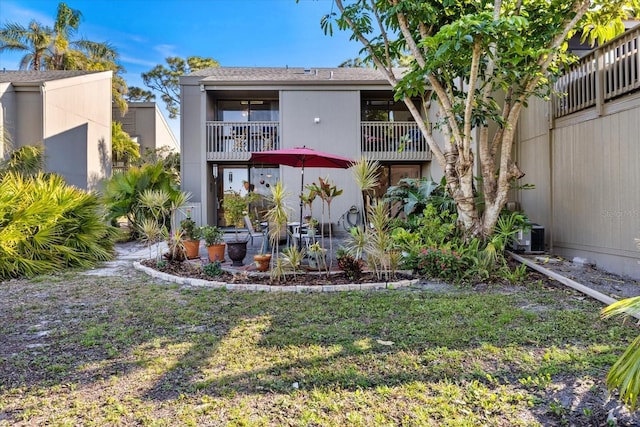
393 141
611 70
236 140
379 140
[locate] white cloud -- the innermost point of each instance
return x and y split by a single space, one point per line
12 12
137 61
165 50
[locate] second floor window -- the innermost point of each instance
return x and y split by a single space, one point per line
248 111
384 110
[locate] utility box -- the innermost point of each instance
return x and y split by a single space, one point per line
529 241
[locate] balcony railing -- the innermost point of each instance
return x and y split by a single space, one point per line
393 141
609 71
236 140
385 141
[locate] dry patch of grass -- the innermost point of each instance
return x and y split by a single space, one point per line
86 350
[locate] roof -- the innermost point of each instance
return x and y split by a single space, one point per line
291 75
39 76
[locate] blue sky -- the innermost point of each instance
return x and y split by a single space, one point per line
263 33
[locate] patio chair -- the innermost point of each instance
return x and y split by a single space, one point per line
307 240
252 231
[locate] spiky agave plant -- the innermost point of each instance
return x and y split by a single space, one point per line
366 174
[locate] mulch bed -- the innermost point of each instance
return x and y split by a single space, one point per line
194 270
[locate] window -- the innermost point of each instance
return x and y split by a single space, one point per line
248 111
384 110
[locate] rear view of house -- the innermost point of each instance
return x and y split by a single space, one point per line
228 113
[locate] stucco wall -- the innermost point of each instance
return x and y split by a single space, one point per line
77 128
337 132
29 119
7 117
145 121
591 195
192 160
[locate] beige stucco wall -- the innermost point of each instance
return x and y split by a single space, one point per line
7 117
77 128
192 149
145 121
587 179
338 132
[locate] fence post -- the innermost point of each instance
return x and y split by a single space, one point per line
600 77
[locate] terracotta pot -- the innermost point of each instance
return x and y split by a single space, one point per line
192 248
262 261
237 251
216 252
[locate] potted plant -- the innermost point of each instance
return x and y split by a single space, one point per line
191 234
262 261
214 241
235 208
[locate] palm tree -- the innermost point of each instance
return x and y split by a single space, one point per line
625 373
52 49
61 55
34 40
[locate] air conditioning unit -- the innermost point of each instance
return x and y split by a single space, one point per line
529 241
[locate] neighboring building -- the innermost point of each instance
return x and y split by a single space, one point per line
582 152
69 112
227 113
145 123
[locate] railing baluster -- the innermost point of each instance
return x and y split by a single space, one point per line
611 70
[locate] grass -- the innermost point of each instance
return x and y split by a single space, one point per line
82 350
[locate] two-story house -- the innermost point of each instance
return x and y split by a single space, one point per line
228 113
68 112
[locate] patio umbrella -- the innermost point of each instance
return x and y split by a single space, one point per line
299 157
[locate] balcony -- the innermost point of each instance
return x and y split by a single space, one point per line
383 141
393 141
608 72
236 140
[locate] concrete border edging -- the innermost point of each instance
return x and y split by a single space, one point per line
255 287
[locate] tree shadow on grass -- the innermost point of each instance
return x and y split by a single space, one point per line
192 342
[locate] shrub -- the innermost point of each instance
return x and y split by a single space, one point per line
351 266
123 195
213 269
47 225
441 263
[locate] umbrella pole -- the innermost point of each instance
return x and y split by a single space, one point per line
301 205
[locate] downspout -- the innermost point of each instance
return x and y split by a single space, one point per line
204 164
550 147
43 100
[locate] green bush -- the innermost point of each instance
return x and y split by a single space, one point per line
213 269
123 195
47 225
441 263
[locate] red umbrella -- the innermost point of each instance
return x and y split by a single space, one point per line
299 157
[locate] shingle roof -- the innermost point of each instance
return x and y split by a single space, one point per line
289 75
38 76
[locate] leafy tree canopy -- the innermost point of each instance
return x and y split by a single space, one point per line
137 94
480 60
165 79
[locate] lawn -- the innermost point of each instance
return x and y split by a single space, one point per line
86 350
